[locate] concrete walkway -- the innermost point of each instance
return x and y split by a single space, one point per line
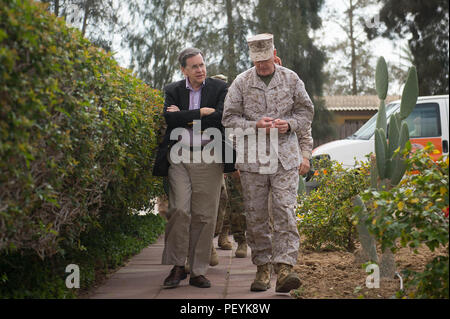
143 275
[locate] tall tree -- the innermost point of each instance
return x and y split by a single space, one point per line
98 20
224 35
291 22
160 30
351 62
165 27
426 25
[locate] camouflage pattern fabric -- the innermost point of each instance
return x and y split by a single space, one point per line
280 245
306 142
223 219
260 47
249 99
236 207
231 213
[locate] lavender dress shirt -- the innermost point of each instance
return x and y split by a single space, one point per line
195 98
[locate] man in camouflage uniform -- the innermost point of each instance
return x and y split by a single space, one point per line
264 97
231 212
231 215
223 219
235 215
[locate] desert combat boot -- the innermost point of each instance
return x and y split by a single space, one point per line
241 251
286 278
214 259
262 280
223 241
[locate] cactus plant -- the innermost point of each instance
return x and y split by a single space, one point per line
389 165
398 133
381 79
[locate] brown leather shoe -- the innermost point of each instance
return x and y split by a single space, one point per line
176 275
200 281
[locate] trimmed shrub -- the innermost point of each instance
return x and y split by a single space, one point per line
325 215
77 133
99 251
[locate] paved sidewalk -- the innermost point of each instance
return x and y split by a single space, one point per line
143 275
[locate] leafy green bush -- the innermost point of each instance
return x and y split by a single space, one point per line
325 215
78 136
77 133
99 250
414 213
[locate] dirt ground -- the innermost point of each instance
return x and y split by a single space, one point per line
336 274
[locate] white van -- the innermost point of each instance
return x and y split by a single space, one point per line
428 122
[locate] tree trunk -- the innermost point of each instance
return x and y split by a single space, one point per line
85 18
231 56
353 47
56 7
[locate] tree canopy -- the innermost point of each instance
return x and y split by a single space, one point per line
425 24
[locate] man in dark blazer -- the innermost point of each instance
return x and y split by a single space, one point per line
194 187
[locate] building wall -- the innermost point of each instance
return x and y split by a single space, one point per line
346 123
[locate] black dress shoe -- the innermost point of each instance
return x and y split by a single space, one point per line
176 275
199 281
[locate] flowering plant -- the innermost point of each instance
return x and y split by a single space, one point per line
415 213
325 215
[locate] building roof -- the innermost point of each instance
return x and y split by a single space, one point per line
355 102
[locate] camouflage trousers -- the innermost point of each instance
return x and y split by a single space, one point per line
231 213
276 242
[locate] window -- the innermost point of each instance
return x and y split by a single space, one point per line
424 121
367 130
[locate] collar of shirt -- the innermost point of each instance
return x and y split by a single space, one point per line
190 88
257 81
194 95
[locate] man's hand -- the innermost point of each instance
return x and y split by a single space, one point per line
281 125
204 111
265 122
173 108
304 166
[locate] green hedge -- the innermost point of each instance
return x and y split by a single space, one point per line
77 132
99 251
78 135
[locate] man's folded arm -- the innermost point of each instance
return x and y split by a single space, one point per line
180 118
215 119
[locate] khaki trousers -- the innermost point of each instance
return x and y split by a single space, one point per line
193 204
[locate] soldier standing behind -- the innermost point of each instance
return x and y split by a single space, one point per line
235 215
231 214
270 96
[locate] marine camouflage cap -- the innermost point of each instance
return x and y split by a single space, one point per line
220 77
261 47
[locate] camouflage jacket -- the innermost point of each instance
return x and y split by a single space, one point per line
249 99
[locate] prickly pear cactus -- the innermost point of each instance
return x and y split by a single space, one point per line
388 166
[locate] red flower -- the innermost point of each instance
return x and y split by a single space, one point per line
445 211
